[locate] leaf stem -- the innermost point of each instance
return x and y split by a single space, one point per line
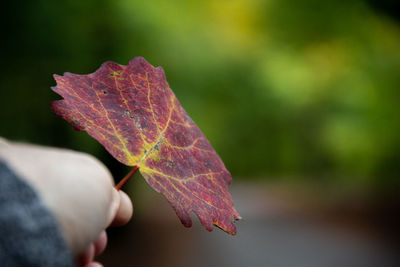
126 178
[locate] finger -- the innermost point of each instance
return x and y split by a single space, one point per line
94 264
86 257
101 243
125 210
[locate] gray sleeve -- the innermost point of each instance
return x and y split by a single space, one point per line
29 235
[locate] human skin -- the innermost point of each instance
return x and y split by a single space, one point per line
79 191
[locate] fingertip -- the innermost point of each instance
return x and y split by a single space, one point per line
87 256
101 243
125 210
94 264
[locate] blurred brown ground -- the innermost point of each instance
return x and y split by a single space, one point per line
284 225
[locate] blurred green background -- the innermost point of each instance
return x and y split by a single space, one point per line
299 98
283 89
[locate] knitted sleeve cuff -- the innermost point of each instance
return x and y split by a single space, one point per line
29 235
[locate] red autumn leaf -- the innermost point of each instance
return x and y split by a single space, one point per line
134 114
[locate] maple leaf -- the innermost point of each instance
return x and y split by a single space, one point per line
134 114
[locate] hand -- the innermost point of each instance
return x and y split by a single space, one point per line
77 189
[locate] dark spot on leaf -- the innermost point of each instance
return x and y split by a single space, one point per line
128 114
156 147
144 124
105 92
208 164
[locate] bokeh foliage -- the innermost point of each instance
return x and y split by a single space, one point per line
281 88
